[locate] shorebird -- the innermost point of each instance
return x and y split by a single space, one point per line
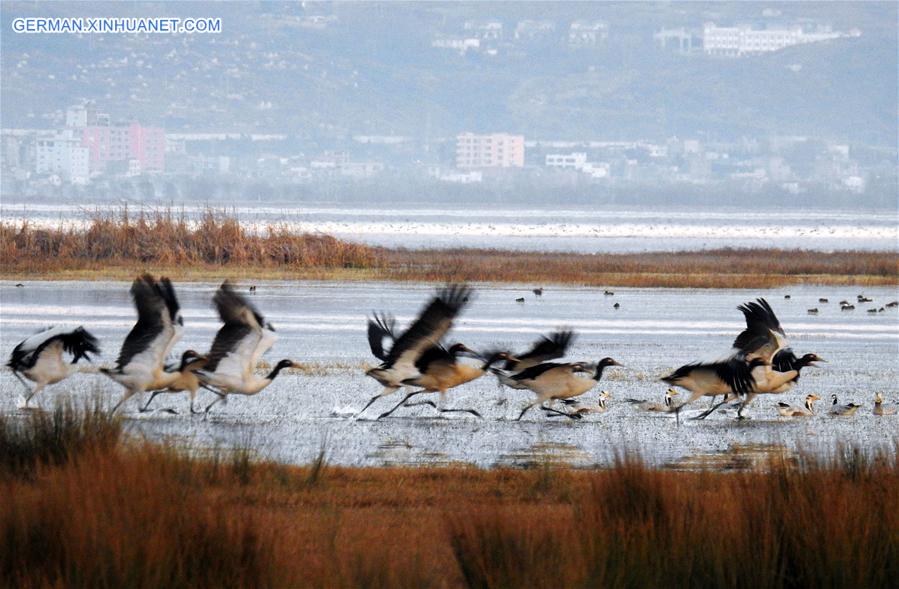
141 363
40 357
187 379
881 409
237 348
538 292
838 410
664 407
440 370
399 363
787 410
552 381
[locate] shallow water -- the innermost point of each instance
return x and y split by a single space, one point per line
572 228
323 325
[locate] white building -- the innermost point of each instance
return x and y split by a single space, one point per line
566 160
63 154
583 33
460 45
743 40
491 30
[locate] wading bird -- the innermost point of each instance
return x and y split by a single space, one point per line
665 407
551 381
141 363
881 409
237 348
787 410
40 357
399 363
838 410
187 379
440 370
749 370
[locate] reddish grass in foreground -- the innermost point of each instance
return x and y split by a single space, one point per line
119 245
138 515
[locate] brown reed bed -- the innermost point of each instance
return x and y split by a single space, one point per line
134 514
118 244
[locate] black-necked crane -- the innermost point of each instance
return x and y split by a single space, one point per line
892 304
664 407
41 357
838 410
552 381
440 370
881 409
187 380
748 370
548 347
398 364
807 410
141 363
237 348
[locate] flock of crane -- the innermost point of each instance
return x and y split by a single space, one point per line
417 360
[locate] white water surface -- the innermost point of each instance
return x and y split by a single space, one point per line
323 325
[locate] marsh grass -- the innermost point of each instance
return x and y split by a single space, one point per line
117 244
122 512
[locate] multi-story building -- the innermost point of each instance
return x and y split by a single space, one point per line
108 143
497 150
583 33
62 153
743 40
566 160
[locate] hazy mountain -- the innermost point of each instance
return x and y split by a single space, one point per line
366 68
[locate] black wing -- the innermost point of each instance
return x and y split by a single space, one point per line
535 371
167 292
380 327
238 316
547 348
150 306
432 324
433 355
736 372
78 342
763 335
226 339
232 306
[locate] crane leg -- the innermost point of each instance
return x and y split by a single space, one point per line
525 410
401 403
472 411
552 412
24 384
384 393
144 409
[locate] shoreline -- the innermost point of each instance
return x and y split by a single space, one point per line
727 268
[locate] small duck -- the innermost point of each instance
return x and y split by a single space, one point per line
787 410
813 311
665 407
838 410
881 409
823 300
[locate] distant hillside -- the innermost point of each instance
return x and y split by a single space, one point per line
371 68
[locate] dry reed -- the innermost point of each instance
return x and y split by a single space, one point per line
118 244
140 515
